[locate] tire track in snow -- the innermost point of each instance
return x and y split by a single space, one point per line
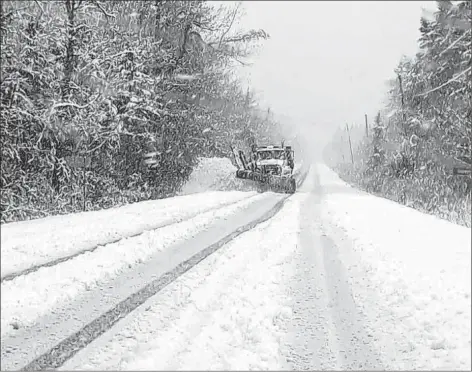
66 349
220 315
357 347
161 225
328 330
312 343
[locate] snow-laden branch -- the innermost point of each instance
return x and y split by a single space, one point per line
454 43
71 104
443 85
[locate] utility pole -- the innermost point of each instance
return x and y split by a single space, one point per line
366 126
350 145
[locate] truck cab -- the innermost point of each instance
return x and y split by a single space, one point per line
275 160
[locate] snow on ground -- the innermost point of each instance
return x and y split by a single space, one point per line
415 268
225 313
29 243
26 298
409 275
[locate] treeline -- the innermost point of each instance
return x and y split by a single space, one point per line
425 129
110 102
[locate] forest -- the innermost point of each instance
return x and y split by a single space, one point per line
105 103
409 152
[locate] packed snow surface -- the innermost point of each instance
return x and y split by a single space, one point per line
29 243
223 314
52 286
338 279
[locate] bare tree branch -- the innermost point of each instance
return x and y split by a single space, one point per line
105 13
230 24
40 7
251 35
11 12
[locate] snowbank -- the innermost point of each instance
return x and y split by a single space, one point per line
415 270
29 243
215 174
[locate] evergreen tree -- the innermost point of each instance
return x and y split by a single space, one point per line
427 122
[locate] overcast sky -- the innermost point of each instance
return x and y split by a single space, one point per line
327 62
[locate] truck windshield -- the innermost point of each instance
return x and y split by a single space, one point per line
274 154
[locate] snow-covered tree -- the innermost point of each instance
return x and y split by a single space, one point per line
109 102
427 126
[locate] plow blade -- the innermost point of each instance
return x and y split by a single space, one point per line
282 184
245 174
268 182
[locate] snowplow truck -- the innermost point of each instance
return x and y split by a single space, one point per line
270 166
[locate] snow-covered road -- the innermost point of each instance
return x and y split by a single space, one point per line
336 279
